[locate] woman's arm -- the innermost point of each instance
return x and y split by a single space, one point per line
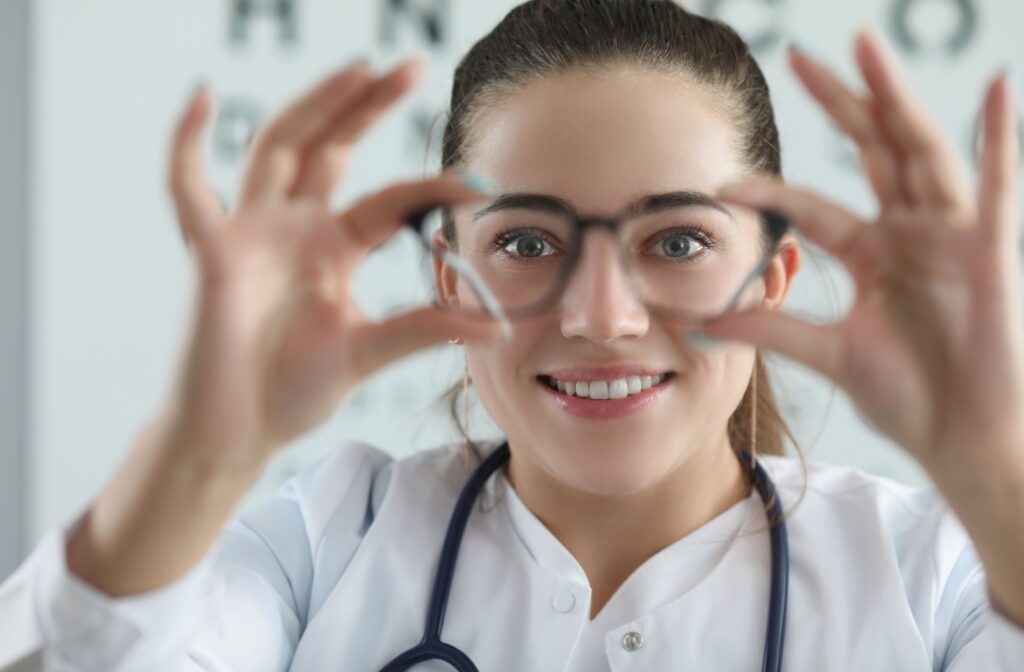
156 518
242 607
276 344
991 507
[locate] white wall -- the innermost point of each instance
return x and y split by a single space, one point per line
14 270
110 281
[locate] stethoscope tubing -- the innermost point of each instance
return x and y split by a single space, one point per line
775 634
431 647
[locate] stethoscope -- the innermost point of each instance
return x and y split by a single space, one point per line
432 648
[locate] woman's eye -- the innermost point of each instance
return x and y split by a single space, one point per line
527 246
679 246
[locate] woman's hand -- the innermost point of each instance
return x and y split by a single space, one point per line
932 351
277 342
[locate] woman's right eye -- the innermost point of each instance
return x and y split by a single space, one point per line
525 245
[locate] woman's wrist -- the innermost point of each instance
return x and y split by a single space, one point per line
156 518
990 506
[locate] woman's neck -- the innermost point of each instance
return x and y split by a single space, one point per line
611 536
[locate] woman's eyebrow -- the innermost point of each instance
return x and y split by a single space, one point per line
647 205
654 203
527 201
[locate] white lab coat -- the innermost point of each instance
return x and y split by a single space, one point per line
335 573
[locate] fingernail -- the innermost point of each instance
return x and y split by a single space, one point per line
799 47
501 333
419 63
731 189
507 332
502 330
478 182
698 340
747 190
362 60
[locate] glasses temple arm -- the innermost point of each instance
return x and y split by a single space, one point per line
491 304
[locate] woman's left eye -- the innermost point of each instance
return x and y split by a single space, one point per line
679 245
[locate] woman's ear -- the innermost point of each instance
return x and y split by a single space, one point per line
444 276
778 277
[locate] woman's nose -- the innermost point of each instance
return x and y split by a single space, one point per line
600 303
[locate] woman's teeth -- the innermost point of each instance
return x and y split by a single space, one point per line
606 389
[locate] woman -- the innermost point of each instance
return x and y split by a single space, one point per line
621 535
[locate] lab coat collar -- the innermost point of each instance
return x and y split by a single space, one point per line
705 546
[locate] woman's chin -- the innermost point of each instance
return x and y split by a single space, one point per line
611 475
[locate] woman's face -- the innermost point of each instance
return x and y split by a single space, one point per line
601 142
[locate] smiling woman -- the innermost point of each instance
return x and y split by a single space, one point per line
640 511
637 120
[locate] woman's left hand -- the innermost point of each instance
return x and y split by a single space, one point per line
932 351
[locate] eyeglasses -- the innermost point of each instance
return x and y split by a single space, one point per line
516 254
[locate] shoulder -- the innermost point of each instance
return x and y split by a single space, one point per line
313 524
837 486
345 488
843 509
834 490
850 529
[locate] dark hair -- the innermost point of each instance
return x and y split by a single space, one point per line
545 37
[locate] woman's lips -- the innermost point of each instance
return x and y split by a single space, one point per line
605 409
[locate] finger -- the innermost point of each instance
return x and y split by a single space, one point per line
275 160
854 117
997 193
931 172
196 204
327 161
835 229
381 343
327 158
374 219
322 170
817 346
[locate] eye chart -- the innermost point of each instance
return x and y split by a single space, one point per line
110 282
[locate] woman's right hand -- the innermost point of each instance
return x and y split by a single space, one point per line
276 342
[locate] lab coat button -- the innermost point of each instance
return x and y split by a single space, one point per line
564 601
632 641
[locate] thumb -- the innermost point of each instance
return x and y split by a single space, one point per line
818 346
384 342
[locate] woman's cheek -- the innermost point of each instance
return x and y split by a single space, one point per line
720 376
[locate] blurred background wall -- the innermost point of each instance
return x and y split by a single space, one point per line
95 284
14 270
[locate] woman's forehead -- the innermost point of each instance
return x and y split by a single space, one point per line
606 136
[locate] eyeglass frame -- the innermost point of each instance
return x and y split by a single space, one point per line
774 223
